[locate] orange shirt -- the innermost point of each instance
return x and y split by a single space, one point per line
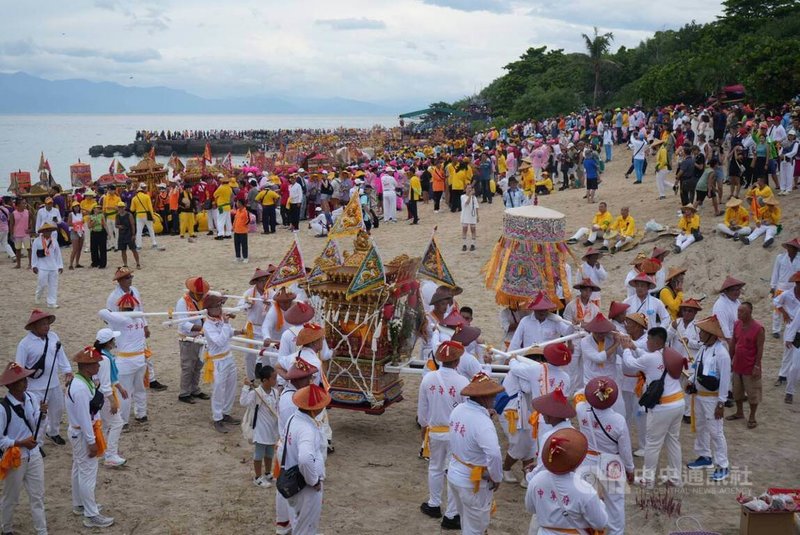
241 221
174 195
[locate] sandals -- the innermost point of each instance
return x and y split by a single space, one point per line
752 424
735 417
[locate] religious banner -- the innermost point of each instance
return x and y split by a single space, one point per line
351 220
289 270
433 265
370 275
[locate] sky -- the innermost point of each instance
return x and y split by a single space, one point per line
373 50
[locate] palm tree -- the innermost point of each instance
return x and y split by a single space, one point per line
597 48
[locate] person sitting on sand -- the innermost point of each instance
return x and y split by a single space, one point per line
767 220
689 224
600 223
736 222
622 231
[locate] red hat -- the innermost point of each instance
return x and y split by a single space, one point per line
649 266
564 450
617 308
591 251
555 404
658 251
642 277
674 362
300 369
37 315
690 303
284 296
586 282
197 285
454 319
481 386
466 334
128 300
214 299
601 392
557 354
449 351
792 243
299 313
13 373
541 302
599 325
311 398
259 274
87 355
729 283
311 332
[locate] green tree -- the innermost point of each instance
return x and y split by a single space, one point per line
757 10
597 49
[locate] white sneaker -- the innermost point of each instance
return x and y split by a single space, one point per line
52 306
98 521
262 481
508 476
77 510
523 482
638 453
114 461
245 261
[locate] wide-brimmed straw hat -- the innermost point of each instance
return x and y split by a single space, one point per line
442 293
449 351
541 302
311 398
284 296
711 326
642 277
617 308
37 315
259 274
658 251
591 251
674 272
601 392
586 282
729 283
481 386
691 303
733 203
564 451
466 334
638 318
87 355
214 299
47 227
310 333
197 285
122 273
555 404
13 373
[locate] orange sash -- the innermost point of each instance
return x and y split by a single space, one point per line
12 459
99 438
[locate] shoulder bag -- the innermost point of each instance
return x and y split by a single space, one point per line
290 481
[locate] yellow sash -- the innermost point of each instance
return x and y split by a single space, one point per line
511 417
99 438
130 354
426 443
208 367
672 397
580 397
533 419
475 475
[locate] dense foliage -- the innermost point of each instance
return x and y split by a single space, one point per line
754 42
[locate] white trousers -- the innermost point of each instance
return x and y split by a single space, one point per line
709 431
634 412
723 228
84 474
319 229
132 380
224 227
29 474
584 231
575 372
112 427
151 370
521 444
223 391
661 182
211 219
794 370
475 508
769 230
6 247
111 231
307 510
47 278
389 205
437 472
787 176
663 428
620 243
55 406
141 223
684 240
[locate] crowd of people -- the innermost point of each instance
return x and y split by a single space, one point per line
627 378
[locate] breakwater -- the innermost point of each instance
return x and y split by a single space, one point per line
181 147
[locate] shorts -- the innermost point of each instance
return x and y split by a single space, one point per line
746 384
261 451
772 167
123 244
22 243
700 196
74 236
591 183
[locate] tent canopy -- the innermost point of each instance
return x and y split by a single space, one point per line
428 111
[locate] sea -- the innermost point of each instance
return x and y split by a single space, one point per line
65 139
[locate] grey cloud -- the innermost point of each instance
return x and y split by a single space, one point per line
493 6
23 47
352 24
118 56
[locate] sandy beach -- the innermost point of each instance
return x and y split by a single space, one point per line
184 478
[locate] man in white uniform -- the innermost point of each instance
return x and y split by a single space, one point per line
726 307
255 303
600 355
47 264
190 352
579 312
644 303
274 324
389 185
592 269
786 265
540 326
682 337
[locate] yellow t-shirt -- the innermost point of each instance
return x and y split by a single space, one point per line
671 303
625 226
87 205
502 166
736 216
459 180
223 196
267 197
141 204
770 215
602 220
110 201
764 193
689 225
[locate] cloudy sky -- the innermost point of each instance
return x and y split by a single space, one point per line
374 50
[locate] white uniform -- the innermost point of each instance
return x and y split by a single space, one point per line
727 312
265 424
81 436
782 271
30 472
564 502
29 351
47 266
130 361
286 408
256 314
663 420
112 423
43 215
789 302
218 335
306 449
598 362
674 337
439 394
509 321
616 440
716 362
311 356
473 443
577 312
652 307
532 331
111 304
597 274
633 411
794 354
273 326
389 185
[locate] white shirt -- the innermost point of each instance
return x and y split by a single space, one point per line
469 365
782 270
590 310
265 430
530 379
792 330
716 361
286 407
788 302
256 309
439 394
296 193
29 351
218 335
473 440
181 309
77 400
564 501
597 274
687 331
389 183
532 331
17 429
43 215
53 260
614 424
305 448
652 307
652 364
598 363
269 327
727 312
131 339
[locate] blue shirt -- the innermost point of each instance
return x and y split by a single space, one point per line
590 164
485 171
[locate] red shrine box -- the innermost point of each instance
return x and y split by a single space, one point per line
766 523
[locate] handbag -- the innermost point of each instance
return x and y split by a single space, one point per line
290 481
796 341
652 396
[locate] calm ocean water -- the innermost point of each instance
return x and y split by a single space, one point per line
67 138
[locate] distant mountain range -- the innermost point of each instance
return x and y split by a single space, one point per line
23 93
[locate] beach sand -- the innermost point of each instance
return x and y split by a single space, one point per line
184 478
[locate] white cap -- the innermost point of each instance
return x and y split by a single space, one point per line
106 334
791 132
389 169
142 186
301 170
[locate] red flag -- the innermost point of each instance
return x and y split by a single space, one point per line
152 153
207 153
289 270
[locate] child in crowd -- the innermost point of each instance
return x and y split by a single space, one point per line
264 400
241 225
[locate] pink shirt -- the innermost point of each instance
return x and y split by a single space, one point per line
21 222
4 216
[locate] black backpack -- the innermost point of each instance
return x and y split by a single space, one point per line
652 396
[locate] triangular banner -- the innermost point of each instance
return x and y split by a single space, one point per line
289 270
351 220
370 275
434 267
317 275
330 257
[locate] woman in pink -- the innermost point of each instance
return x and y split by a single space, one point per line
76 233
21 230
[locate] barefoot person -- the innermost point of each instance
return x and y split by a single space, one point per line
748 350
